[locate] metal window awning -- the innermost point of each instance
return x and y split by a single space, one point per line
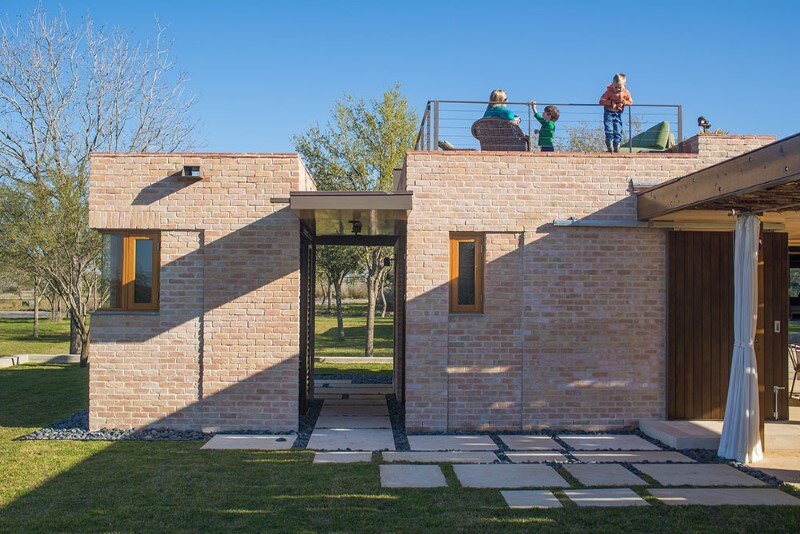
765 179
355 217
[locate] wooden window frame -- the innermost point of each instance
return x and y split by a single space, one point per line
129 239
480 258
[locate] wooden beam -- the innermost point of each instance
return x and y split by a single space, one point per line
771 165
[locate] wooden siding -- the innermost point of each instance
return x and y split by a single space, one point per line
700 317
772 347
700 323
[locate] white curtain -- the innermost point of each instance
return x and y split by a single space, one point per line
741 439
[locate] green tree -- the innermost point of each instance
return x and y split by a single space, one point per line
67 91
45 233
357 151
334 264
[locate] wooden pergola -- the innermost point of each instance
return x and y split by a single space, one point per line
764 180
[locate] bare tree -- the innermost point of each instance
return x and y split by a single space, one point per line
591 137
66 92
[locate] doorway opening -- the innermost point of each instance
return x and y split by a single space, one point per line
337 370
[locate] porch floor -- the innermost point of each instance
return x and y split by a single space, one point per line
778 435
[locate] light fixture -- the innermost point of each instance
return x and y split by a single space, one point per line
356 224
703 123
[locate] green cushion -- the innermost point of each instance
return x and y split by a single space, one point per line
655 138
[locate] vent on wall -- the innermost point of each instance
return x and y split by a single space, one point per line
191 171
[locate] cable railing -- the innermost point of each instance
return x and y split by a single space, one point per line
447 125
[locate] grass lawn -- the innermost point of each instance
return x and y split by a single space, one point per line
326 342
157 486
16 337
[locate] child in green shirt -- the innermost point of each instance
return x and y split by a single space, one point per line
548 121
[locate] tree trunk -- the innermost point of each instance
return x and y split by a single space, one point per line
36 298
322 288
55 307
74 334
383 295
337 289
338 301
85 348
369 338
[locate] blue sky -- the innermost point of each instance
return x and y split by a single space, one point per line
266 70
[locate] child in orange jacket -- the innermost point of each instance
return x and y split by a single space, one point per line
614 101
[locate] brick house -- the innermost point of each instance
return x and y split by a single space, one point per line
530 292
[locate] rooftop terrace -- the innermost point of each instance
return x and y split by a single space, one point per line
448 123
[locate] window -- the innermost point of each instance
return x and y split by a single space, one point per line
130 271
466 272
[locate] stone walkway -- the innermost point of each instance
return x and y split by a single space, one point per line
530 471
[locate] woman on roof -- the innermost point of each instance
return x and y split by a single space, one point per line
497 107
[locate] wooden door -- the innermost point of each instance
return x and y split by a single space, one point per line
772 331
700 323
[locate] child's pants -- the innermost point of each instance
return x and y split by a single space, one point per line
612 123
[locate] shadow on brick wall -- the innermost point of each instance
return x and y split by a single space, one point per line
227 332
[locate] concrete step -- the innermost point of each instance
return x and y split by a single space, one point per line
684 434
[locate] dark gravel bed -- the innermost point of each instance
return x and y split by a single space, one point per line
377 378
397 416
76 427
307 424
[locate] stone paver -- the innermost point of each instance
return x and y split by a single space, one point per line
412 476
509 476
698 475
531 443
521 499
250 442
632 457
355 402
342 457
532 457
357 421
355 410
606 497
452 443
361 439
599 442
438 457
783 465
604 475
722 496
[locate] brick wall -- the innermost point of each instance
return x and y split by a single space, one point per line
572 334
222 352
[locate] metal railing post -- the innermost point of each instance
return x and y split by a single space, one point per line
680 123
428 128
630 131
530 140
435 124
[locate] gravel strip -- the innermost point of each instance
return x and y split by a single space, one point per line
377 378
397 416
307 424
76 427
